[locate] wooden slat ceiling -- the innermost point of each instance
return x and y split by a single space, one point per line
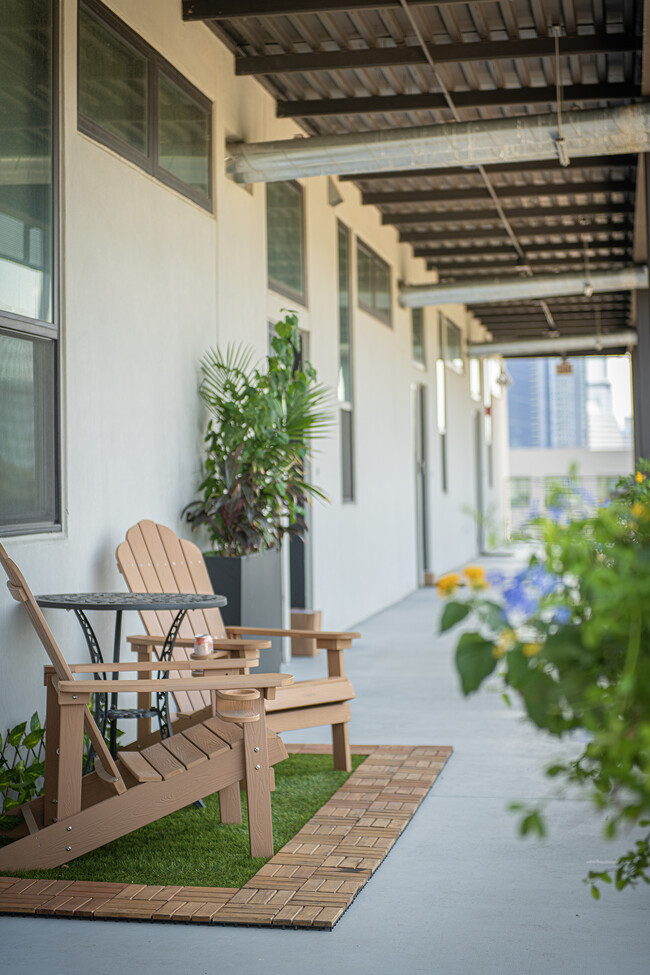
338 66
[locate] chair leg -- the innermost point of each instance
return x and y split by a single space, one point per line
341 747
52 737
71 753
260 825
230 804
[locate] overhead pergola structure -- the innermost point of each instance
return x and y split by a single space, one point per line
342 68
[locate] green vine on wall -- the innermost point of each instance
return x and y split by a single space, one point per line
21 768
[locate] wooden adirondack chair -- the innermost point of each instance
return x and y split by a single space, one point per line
80 813
154 559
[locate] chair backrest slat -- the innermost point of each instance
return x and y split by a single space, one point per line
154 559
21 592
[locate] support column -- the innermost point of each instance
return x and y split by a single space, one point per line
641 354
641 377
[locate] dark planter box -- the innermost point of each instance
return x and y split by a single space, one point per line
257 590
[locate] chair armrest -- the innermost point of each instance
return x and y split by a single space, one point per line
142 667
188 641
326 639
261 682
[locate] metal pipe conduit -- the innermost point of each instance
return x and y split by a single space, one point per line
561 346
608 131
479 290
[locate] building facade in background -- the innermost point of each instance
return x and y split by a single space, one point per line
564 431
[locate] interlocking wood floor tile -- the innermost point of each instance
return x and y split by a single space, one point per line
310 883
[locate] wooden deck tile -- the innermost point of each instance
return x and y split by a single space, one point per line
311 882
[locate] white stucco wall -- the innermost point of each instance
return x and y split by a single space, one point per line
149 281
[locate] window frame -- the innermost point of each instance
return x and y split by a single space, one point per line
420 362
346 406
157 67
458 363
376 260
22 327
273 284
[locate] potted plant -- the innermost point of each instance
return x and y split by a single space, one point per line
263 423
570 635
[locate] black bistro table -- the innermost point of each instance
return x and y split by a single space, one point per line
119 602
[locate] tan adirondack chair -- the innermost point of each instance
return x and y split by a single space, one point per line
154 559
78 813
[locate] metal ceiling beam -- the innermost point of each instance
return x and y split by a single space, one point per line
432 101
241 9
578 164
599 131
499 235
448 274
503 192
515 288
547 346
514 214
560 306
452 254
408 55
561 317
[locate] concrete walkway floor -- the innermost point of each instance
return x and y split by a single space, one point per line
459 894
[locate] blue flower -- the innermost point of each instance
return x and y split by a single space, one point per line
562 615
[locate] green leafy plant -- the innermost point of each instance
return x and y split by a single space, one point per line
259 438
21 768
570 635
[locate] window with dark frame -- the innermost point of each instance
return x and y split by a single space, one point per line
136 103
373 284
417 336
441 399
453 345
29 331
285 240
344 386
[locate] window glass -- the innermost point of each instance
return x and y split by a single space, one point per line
475 379
417 334
382 289
373 283
133 101
112 82
347 455
26 160
364 274
345 364
285 238
345 350
27 431
454 346
183 136
28 360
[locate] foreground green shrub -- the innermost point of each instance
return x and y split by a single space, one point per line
570 634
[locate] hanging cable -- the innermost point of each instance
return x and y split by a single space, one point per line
562 151
523 260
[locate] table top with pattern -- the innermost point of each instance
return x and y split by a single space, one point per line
131 600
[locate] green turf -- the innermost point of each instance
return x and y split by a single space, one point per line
191 847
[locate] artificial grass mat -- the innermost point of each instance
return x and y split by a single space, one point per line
192 848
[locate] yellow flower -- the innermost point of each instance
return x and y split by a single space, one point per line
447 585
506 641
638 510
475 575
640 477
531 649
